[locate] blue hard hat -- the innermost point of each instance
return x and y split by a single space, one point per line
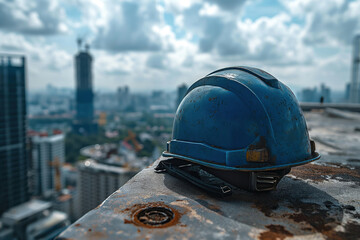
241 118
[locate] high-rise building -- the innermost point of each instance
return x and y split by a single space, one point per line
13 156
355 81
34 220
123 98
181 91
313 95
84 120
309 95
48 156
65 202
325 93
347 92
96 181
158 97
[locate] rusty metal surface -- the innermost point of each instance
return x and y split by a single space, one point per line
316 201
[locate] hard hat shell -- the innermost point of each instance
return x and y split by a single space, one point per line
241 118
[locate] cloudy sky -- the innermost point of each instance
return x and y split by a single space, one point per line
161 44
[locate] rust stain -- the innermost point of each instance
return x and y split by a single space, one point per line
352 230
315 216
96 235
319 173
187 209
77 225
200 196
311 217
133 210
127 221
214 208
266 207
275 232
319 220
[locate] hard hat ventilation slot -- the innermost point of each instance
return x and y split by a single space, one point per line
265 181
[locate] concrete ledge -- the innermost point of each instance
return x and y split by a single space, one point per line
313 202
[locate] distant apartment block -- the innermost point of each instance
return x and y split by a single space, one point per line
355 76
65 202
96 181
309 95
123 98
48 156
325 93
313 95
347 92
181 91
33 220
13 157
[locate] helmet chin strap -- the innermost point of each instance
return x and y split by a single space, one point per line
195 175
258 181
221 183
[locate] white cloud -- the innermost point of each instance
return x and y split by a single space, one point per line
46 62
41 17
179 6
135 44
274 40
330 23
130 26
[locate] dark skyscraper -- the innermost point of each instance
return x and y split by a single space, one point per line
84 122
13 157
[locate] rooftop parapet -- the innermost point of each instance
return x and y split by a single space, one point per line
314 201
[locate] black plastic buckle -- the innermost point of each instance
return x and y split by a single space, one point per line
225 189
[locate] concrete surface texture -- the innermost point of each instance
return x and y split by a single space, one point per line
320 200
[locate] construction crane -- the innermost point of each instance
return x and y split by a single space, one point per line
132 136
56 164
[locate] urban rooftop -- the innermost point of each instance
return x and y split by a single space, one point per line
98 101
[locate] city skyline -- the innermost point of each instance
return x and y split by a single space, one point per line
148 45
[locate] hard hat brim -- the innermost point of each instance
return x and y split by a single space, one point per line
314 157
